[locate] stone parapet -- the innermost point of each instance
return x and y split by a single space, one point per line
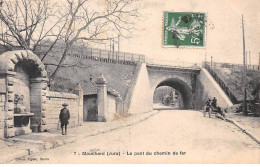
62 95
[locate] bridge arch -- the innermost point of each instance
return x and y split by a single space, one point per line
184 90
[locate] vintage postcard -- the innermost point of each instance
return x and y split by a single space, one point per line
129 82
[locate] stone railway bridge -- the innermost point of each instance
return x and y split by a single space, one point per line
23 76
194 85
183 80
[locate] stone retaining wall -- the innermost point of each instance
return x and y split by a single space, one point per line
23 75
54 101
206 88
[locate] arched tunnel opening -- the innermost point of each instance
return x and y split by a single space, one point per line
173 92
166 96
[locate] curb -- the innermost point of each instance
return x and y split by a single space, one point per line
244 130
57 143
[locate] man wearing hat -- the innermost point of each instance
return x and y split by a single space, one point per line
214 102
64 117
207 108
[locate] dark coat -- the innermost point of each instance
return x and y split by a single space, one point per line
207 106
64 116
214 103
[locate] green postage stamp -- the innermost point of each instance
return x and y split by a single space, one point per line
183 29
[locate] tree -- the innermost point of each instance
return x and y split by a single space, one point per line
25 24
76 21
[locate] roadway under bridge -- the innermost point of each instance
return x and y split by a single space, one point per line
194 85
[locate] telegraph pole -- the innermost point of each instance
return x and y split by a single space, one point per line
211 61
110 46
113 48
249 61
246 61
118 49
259 60
244 71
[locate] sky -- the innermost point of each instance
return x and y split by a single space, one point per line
223 34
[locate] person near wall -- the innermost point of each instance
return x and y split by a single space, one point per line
64 118
214 103
207 108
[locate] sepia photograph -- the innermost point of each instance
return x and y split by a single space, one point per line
129 82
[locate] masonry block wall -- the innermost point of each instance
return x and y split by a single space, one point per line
23 73
129 93
207 87
141 100
111 107
54 101
121 108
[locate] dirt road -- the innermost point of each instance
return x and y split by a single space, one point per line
178 136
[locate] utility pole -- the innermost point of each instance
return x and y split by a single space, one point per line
259 60
244 71
110 48
113 48
249 57
118 49
246 58
211 61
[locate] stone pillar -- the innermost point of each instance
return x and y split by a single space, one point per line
7 118
193 86
101 97
3 91
38 104
80 104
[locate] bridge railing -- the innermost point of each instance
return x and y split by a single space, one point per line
234 66
221 83
83 52
108 56
175 64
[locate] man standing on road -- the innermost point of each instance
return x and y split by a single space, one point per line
64 118
214 103
207 108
